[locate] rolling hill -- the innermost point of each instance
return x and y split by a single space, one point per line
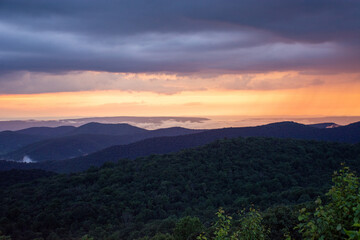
65 147
162 145
10 141
69 142
48 132
107 129
89 128
14 125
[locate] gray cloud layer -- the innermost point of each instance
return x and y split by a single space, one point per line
185 36
306 20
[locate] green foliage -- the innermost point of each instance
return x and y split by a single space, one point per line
54 236
353 234
248 227
281 220
251 226
159 236
3 237
162 236
342 211
147 196
223 225
187 228
86 237
11 177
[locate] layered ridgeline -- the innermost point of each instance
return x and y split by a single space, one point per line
161 145
145 196
10 141
15 125
46 143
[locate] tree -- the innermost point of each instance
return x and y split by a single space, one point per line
3 237
86 237
251 226
162 236
187 228
340 213
248 227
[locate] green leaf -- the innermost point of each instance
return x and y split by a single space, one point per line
338 227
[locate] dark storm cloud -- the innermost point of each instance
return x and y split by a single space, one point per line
298 19
179 36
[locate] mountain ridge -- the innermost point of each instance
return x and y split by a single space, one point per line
164 145
86 139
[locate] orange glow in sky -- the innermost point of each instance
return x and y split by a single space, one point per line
179 60
330 100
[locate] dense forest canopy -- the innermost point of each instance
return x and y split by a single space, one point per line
146 196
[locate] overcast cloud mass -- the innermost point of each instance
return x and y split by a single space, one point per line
51 44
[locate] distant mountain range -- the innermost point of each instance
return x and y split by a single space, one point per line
45 143
14 125
181 140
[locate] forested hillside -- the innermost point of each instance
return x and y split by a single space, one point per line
45 143
145 196
10 141
58 148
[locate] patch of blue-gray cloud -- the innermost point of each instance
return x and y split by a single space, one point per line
182 37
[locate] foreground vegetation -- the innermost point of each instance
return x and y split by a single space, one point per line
337 219
149 198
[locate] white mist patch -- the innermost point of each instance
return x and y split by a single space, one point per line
27 159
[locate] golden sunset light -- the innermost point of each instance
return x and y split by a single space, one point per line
333 100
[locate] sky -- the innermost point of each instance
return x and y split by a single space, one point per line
78 58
